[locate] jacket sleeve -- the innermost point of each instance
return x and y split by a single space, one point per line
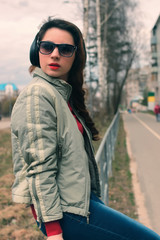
37 133
52 228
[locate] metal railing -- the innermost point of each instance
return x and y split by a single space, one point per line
105 154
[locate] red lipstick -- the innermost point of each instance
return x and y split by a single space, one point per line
54 66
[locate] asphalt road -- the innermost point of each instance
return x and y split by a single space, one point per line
144 136
5 123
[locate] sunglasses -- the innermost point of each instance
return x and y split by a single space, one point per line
65 50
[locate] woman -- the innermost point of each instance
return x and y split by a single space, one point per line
52 133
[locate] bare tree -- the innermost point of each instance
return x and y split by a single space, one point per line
99 51
114 47
120 51
85 19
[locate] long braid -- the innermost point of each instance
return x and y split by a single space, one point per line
78 98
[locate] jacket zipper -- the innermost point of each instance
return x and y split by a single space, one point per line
91 147
39 217
59 151
87 199
88 217
87 195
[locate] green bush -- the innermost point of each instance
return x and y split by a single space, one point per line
6 105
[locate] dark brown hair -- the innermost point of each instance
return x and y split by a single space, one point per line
75 78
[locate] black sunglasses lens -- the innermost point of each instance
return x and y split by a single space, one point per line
66 50
46 47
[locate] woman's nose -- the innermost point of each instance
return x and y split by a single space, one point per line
55 52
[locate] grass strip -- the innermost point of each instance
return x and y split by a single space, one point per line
121 196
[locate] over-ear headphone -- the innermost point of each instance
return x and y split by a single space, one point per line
34 52
85 51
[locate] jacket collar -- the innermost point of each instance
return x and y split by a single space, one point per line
61 86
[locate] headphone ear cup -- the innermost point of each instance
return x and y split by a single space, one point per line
34 53
85 52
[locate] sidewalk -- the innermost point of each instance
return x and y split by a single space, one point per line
143 141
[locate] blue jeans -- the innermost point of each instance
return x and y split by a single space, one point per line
104 224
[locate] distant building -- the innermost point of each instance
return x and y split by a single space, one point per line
8 90
148 77
137 82
155 49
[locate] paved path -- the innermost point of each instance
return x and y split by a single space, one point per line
144 137
5 123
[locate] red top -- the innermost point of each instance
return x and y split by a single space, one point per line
78 122
54 227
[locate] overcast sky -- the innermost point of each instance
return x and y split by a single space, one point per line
150 10
19 22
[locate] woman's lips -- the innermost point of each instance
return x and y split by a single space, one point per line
54 66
